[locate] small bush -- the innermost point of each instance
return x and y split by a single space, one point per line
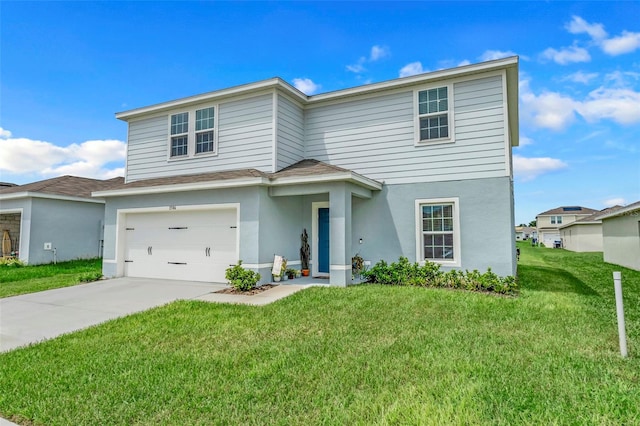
90 277
429 275
240 278
11 262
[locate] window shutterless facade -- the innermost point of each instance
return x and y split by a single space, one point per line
192 133
556 220
438 231
433 114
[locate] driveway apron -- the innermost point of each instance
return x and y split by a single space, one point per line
34 317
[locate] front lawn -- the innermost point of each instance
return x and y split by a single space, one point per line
16 280
361 355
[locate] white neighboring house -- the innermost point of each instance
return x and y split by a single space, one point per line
523 233
548 223
621 236
585 235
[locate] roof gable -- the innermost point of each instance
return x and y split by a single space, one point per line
569 210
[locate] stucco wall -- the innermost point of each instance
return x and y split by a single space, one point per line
621 240
582 237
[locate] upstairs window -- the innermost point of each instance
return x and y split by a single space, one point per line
179 134
204 130
556 220
433 114
192 133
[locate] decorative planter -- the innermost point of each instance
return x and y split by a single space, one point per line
305 272
276 278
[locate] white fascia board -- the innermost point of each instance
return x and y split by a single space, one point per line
625 210
19 195
335 177
215 95
197 186
422 78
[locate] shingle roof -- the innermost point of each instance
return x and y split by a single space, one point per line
594 218
569 210
304 168
71 186
622 210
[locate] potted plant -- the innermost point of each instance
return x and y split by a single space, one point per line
283 269
357 265
298 273
305 252
290 273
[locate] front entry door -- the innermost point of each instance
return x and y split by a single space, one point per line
323 240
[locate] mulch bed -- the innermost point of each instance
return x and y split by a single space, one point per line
251 292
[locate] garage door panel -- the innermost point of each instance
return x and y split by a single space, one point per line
183 245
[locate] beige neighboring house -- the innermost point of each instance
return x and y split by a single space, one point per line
585 235
548 223
621 236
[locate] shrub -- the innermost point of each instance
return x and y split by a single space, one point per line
429 275
90 277
240 278
13 262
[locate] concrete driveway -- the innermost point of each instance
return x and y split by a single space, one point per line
37 316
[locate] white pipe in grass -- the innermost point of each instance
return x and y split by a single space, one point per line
617 284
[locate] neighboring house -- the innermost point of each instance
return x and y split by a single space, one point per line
585 235
621 236
418 167
548 223
524 233
54 219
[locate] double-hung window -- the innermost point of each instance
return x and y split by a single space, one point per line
179 134
433 114
204 130
192 133
556 220
438 233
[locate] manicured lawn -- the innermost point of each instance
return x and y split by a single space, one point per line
362 355
29 279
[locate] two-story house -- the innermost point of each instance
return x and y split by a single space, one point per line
418 167
548 223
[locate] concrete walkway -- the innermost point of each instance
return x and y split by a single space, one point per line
33 317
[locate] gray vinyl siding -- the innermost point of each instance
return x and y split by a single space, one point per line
244 136
376 136
290 134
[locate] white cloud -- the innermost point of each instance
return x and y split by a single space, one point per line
524 141
412 69
306 85
619 105
87 159
622 78
581 77
464 62
528 169
579 26
357 67
567 55
614 202
549 110
490 55
625 43
378 52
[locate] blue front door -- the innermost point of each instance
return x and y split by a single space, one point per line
323 240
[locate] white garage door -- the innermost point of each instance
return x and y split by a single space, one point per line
196 245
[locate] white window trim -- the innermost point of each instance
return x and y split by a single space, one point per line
457 251
191 134
416 117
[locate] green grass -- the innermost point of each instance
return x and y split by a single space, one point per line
362 355
28 279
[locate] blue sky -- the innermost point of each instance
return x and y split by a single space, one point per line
67 67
